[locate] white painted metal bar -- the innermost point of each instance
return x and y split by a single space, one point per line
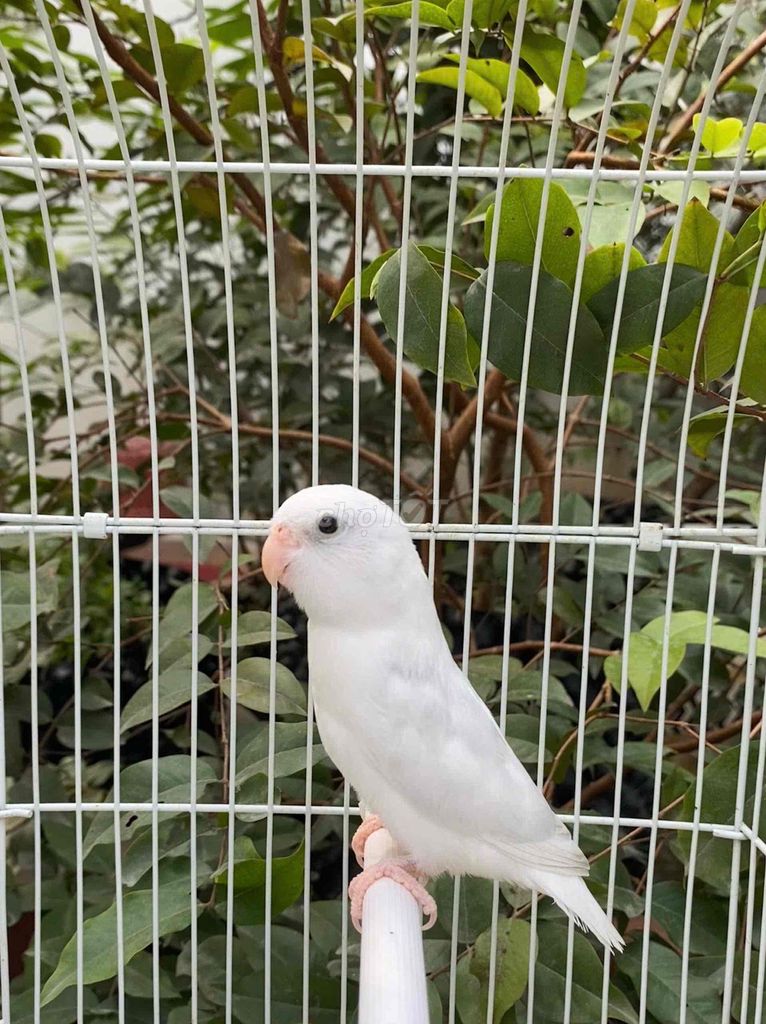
22 809
550 160
671 255
438 409
476 475
683 447
489 171
260 80
409 133
308 58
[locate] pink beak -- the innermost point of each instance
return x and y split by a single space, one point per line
281 544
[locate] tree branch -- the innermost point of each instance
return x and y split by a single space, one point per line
731 69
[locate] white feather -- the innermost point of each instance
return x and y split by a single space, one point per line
403 724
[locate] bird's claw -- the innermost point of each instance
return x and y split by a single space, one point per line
369 825
404 875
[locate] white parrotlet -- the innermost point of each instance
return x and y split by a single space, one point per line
401 721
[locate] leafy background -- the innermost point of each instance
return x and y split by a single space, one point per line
204 291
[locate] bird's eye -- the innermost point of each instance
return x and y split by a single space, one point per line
328 524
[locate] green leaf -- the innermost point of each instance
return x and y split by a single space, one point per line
48 145
475 905
646 650
368 275
16 598
719 794
664 984
497 72
523 733
672 191
255 628
551 976
512 964
620 1007
244 100
510 302
174 774
484 13
250 870
458 267
704 428
429 13
99 935
177 617
719 137
476 87
753 381
757 142
749 235
721 335
641 303
519 219
478 213
698 232
423 301
645 666
642 20
603 265
175 688
184 66
290 752
545 55
511 972
253 676
708 918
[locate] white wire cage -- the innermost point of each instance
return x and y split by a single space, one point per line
151 431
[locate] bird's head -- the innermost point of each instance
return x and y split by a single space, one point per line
343 554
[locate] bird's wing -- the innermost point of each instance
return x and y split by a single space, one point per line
420 724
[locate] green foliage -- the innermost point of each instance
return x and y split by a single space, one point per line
520 224
250 873
99 949
422 311
123 667
511 971
661 644
509 312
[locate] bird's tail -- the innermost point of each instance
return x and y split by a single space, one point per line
573 896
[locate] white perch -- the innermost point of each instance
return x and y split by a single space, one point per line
392 982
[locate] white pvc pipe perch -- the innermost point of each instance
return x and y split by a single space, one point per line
392 980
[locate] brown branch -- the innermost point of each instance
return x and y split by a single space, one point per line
386 363
745 410
684 121
599 787
220 421
255 206
578 156
273 47
146 81
651 39
536 456
714 736
461 430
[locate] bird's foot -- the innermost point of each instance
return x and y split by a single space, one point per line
403 872
369 825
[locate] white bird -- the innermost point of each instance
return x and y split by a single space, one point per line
401 721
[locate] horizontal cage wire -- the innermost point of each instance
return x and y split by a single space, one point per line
501 264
